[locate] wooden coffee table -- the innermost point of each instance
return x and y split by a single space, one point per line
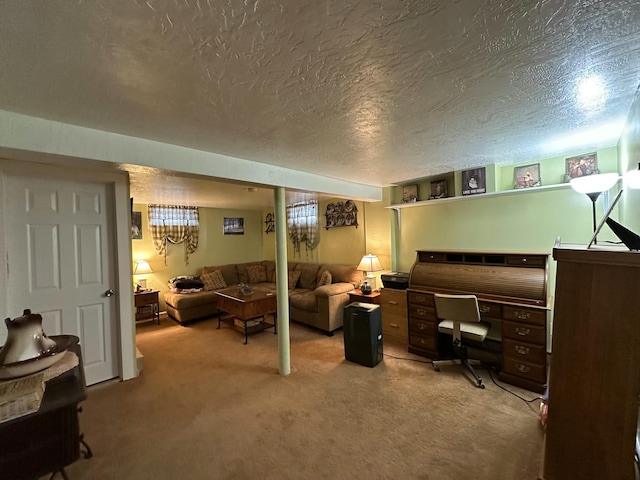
245 308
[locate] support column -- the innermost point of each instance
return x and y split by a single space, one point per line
282 276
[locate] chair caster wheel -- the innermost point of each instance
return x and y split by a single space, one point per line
435 367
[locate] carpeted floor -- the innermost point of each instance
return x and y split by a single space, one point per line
208 407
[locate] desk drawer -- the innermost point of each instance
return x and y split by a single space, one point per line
527 260
426 342
490 310
530 371
423 327
526 352
524 332
526 315
424 312
420 298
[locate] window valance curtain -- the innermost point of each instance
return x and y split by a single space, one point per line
302 225
174 224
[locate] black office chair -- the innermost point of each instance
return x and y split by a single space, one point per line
460 317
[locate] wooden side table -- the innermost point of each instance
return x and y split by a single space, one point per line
147 306
358 296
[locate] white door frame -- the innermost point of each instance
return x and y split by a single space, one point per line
118 183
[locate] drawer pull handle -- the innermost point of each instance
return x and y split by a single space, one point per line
522 315
484 309
422 326
391 302
522 350
523 331
421 298
524 260
422 341
394 325
523 368
421 311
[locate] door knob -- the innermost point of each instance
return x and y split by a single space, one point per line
109 293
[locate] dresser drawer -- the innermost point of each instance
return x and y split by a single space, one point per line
420 298
524 332
391 299
526 315
530 371
526 352
396 326
427 342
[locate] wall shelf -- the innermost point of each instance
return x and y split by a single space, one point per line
424 203
438 201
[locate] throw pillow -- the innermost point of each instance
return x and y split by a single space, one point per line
256 273
213 280
294 276
325 278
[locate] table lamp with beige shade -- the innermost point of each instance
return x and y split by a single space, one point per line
369 264
140 270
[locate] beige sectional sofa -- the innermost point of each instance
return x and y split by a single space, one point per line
320 306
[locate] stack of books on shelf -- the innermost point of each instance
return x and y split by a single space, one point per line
21 396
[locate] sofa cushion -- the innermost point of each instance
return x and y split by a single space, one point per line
324 278
256 273
229 272
213 280
181 301
294 276
304 301
308 275
344 273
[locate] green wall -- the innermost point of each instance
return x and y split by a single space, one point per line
214 248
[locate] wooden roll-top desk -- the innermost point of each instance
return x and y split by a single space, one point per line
512 294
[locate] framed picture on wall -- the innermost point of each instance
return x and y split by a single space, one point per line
438 189
409 193
233 226
527 176
581 165
136 225
474 181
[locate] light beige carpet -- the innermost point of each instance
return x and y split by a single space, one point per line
208 407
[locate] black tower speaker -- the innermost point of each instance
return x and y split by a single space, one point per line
363 333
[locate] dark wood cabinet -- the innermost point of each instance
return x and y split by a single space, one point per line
147 306
48 440
512 295
594 379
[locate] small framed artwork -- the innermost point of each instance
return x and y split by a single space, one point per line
269 223
474 181
527 176
409 193
233 226
438 189
136 225
581 165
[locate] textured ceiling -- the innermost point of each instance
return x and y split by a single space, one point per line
372 92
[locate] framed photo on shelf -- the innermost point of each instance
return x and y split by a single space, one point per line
474 181
527 176
581 165
438 189
233 226
409 193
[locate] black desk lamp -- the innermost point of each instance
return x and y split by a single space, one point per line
593 186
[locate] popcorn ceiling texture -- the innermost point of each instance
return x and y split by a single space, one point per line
331 87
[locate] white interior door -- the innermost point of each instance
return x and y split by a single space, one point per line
59 256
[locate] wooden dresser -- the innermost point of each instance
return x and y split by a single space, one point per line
594 380
512 293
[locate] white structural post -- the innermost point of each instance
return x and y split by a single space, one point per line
284 345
